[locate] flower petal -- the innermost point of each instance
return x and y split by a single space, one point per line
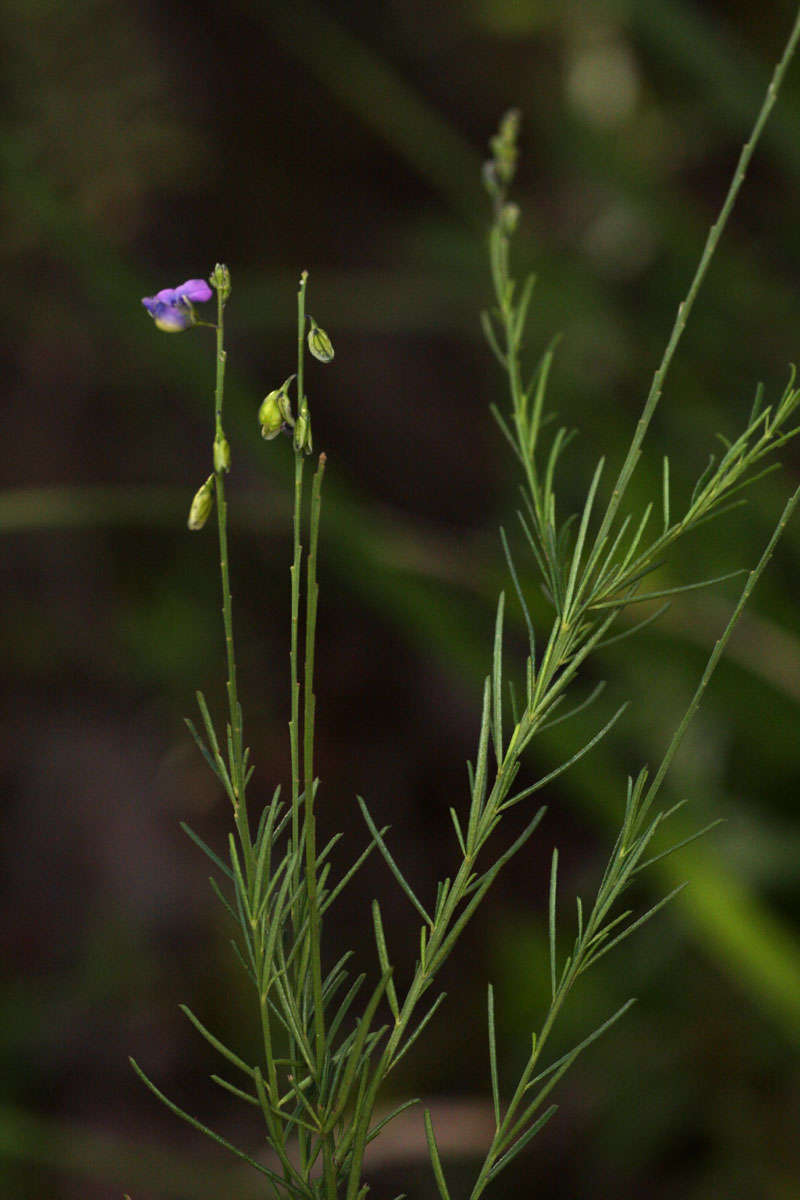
195 290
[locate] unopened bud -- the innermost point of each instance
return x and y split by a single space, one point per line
489 176
509 218
222 454
220 279
269 416
319 343
504 146
302 430
284 403
201 505
276 411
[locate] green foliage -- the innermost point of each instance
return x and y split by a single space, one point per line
327 1047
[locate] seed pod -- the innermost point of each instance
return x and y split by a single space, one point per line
270 417
201 505
276 411
319 343
302 430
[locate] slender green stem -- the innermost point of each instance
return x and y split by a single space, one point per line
312 597
299 460
716 654
311 958
685 308
301 335
294 723
236 757
309 833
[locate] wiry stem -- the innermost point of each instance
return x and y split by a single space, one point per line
236 752
685 308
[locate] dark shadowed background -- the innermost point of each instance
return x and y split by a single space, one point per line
139 144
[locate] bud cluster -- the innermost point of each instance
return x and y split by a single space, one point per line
220 280
275 413
499 171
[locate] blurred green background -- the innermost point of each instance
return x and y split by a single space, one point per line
141 143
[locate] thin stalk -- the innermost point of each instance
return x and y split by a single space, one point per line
234 709
716 654
686 306
309 832
294 571
294 723
312 597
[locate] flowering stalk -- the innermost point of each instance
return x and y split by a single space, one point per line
238 764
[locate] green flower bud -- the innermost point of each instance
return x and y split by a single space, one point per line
504 147
302 430
201 505
319 343
489 175
284 403
222 454
276 411
270 417
220 278
509 218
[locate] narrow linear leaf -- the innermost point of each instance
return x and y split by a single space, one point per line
522 1142
491 338
204 750
590 699
413 1037
520 596
215 1137
384 1121
229 1087
219 1046
626 633
457 827
758 400
493 1057
343 882
391 864
522 306
674 591
436 1163
581 1046
665 492
497 682
540 783
383 959
629 929
344 1008
354 1057
198 841
687 841
481 765
581 538
552 920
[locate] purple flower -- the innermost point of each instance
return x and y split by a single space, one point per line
171 308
